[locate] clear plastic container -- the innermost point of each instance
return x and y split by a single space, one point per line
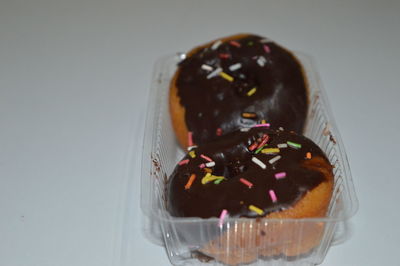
285 241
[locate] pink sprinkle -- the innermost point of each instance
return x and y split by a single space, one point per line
184 162
246 182
272 195
263 125
190 138
222 217
235 43
280 175
219 131
206 158
267 49
202 166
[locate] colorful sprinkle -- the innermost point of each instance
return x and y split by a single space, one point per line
263 121
206 67
267 49
218 181
293 145
216 45
259 149
256 210
261 61
192 154
235 66
253 146
224 56
270 150
184 162
191 147
282 145
249 115
244 129
246 182
190 138
222 217
263 124
258 162
252 91
206 157
235 43
308 155
190 181
264 141
250 43
280 175
209 178
272 195
210 164
208 170
275 159
226 76
219 131
214 73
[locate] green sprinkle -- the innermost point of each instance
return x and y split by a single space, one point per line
259 149
218 181
294 145
250 43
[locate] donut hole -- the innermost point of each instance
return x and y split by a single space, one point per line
243 83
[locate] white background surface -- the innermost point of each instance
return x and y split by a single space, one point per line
74 77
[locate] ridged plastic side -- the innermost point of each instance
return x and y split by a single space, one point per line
193 241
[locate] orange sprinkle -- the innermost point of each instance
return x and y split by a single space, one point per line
308 155
190 181
249 115
208 170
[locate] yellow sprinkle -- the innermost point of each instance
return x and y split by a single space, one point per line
226 76
252 91
270 150
263 121
192 154
209 177
255 209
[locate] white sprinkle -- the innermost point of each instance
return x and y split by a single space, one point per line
214 73
261 61
282 145
206 67
210 164
281 128
216 45
191 147
245 129
235 67
258 162
276 158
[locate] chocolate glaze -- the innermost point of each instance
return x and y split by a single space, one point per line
280 98
233 160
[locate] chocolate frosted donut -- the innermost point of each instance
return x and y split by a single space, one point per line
254 173
270 170
233 82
